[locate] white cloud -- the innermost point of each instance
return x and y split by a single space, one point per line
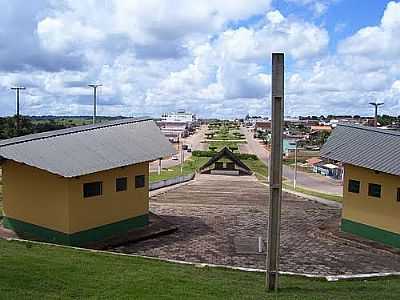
377 41
232 66
298 39
57 36
156 56
318 7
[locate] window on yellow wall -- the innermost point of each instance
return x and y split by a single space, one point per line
92 189
121 184
374 190
354 186
398 194
140 181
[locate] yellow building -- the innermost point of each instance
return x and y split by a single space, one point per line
371 188
80 185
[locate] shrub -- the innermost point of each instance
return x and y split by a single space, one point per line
241 156
200 153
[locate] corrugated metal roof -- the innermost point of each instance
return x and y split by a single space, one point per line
368 147
88 149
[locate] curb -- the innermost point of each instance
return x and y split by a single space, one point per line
170 187
329 278
315 198
326 202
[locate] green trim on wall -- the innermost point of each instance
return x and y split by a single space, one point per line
372 233
31 231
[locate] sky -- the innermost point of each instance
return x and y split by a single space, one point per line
210 57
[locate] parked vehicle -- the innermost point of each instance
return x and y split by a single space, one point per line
174 157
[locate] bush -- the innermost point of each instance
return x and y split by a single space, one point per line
200 153
246 156
242 156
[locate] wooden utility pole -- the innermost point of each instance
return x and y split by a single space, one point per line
276 171
17 89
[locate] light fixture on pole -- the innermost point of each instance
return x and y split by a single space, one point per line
17 89
376 105
94 86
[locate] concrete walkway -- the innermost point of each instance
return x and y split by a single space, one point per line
220 219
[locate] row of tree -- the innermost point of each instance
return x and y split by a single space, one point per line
8 128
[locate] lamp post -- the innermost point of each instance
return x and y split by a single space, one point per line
17 89
94 86
182 155
376 106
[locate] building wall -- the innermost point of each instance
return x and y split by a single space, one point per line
111 206
378 213
35 196
40 205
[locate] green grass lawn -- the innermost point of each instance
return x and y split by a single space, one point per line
193 164
32 271
222 144
227 133
303 190
258 167
190 166
1 194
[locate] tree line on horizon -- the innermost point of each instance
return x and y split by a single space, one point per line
8 128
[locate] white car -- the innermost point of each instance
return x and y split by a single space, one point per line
174 157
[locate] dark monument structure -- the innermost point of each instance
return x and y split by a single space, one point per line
225 162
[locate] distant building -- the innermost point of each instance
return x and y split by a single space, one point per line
177 125
82 185
251 121
264 125
371 189
179 116
321 128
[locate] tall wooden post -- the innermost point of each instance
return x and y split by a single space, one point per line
276 171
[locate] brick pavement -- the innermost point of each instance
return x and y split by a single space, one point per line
220 219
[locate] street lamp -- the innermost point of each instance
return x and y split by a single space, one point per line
94 86
376 105
17 89
182 154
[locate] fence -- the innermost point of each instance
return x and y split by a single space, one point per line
168 182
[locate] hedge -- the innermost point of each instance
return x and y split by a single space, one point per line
241 156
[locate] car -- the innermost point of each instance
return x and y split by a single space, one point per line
189 150
174 157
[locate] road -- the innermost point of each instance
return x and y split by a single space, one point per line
307 180
194 141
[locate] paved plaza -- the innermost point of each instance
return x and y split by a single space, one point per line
220 219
